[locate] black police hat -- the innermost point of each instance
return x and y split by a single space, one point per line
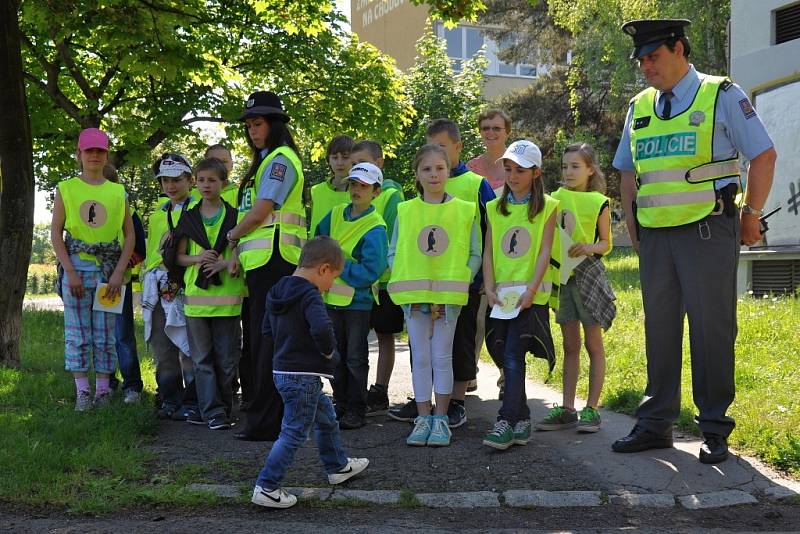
649 34
264 104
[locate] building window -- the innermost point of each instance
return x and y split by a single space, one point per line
787 24
463 42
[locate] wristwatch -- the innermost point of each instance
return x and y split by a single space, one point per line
750 210
228 235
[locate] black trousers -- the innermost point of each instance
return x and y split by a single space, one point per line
263 417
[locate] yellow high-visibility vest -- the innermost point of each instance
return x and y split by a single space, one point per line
217 301
673 158
432 251
348 234
94 213
323 199
515 245
255 248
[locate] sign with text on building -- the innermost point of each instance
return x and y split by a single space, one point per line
371 10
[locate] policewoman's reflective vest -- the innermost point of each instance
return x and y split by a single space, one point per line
432 250
217 301
467 187
94 213
515 245
673 158
348 234
323 199
157 228
255 248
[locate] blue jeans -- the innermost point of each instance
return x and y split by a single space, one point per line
126 345
514 345
304 406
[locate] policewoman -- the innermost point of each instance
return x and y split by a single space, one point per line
678 158
269 236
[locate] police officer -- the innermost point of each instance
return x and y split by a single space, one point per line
678 159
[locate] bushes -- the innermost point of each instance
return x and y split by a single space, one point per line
41 279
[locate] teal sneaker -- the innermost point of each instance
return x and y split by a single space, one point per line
422 429
501 437
589 420
522 432
557 418
440 433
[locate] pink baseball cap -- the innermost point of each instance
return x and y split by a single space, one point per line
93 138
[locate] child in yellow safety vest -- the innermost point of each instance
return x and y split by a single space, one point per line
434 255
88 214
333 191
519 240
213 295
587 297
387 317
361 233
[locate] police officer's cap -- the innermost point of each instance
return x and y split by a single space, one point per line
264 104
649 34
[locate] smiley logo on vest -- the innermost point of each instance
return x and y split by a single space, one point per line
516 242
93 213
433 240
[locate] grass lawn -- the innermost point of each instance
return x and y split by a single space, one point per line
767 405
91 462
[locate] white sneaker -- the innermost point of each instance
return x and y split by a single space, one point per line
277 498
132 397
354 466
83 401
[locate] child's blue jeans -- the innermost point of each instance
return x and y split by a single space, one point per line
304 406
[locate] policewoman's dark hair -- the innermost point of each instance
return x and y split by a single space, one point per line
536 202
279 135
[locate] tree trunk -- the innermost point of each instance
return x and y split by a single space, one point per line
17 186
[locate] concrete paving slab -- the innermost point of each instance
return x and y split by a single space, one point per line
716 499
222 490
373 496
310 494
471 499
646 500
552 499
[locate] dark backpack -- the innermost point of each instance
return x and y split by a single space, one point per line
169 253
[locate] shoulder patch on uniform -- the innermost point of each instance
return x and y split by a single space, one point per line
747 108
725 85
640 122
278 172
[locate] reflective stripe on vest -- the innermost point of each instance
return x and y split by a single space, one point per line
432 251
266 244
516 242
710 171
200 300
673 158
289 221
348 234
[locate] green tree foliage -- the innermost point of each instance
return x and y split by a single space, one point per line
146 71
435 91
586 99
42 249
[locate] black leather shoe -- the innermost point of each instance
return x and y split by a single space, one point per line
351 421
244 435
714 449
641 439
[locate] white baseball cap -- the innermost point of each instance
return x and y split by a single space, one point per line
523 153
366 173
173 165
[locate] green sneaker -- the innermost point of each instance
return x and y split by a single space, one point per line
558 418
589 420
522 432
422 429
501 437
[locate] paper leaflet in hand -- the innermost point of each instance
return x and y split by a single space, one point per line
509 296
567 264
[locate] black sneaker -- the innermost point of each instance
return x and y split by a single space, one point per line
219 422
351 421
456 414
166 412
195 418
340 411
407 412
377 401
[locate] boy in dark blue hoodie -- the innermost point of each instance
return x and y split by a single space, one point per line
297 325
